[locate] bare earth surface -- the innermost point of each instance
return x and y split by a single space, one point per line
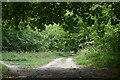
62 68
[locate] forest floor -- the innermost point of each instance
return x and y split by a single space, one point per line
61 68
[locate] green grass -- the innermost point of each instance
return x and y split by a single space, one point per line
96 57
0 71
4 72
29 59
64 54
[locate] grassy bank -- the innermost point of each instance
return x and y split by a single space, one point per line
29 59
96 57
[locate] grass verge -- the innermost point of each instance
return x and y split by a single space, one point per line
96 57
29 59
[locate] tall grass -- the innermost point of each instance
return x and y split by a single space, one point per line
94 56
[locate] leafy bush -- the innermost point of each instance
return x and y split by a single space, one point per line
25 40
53 38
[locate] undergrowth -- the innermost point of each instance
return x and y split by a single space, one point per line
96 57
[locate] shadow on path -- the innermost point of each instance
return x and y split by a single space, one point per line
63 68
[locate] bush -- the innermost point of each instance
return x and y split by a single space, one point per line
22 40
53 38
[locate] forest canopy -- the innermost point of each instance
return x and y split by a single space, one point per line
61 26
37 14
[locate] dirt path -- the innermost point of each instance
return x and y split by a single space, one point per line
65 68
61 63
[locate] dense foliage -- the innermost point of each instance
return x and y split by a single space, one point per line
62 26
37 14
